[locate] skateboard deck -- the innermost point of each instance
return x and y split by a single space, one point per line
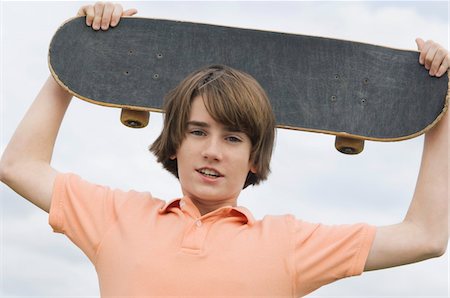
353 90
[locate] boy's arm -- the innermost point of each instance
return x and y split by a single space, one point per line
25 164
423 233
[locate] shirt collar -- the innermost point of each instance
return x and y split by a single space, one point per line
185 204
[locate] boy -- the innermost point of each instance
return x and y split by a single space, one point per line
213 161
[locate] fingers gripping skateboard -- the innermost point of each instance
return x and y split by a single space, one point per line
134 119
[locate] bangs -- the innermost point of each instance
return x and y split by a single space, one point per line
228 103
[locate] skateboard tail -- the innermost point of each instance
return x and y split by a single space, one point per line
344 134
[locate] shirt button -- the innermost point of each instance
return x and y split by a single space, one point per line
198 223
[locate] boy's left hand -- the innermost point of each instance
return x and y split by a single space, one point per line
433 56
103 15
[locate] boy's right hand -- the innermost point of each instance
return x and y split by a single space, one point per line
104 14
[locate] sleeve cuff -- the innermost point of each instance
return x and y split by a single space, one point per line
56 205
363 253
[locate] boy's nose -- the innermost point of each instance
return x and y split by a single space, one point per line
212 149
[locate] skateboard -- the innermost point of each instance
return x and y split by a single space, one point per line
352 90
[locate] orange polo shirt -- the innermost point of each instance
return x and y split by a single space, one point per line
142 247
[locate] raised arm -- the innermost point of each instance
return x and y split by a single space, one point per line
25 163
424 232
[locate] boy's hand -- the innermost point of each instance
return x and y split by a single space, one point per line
104 14
433 56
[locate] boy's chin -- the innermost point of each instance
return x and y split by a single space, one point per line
212 196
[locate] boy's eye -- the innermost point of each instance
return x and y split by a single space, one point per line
197 133
233 139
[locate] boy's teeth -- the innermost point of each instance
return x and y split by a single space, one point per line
209 172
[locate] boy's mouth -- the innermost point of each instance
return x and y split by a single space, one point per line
209 172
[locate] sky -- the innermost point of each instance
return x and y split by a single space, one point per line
309 179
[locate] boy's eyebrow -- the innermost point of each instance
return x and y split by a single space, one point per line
198 123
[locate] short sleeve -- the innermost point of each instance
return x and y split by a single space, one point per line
83 211
323 253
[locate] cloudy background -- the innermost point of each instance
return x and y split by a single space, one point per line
309 177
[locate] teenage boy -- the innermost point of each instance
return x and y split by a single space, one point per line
217 139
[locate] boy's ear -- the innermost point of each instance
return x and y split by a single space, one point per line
172 157
253 169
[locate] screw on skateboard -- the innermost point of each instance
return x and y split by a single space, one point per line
352 90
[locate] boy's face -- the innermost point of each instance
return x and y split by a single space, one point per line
213 161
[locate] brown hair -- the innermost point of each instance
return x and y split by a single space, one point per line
232 98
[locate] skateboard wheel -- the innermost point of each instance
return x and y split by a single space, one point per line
349 145
134 119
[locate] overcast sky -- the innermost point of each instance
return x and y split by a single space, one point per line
309 179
